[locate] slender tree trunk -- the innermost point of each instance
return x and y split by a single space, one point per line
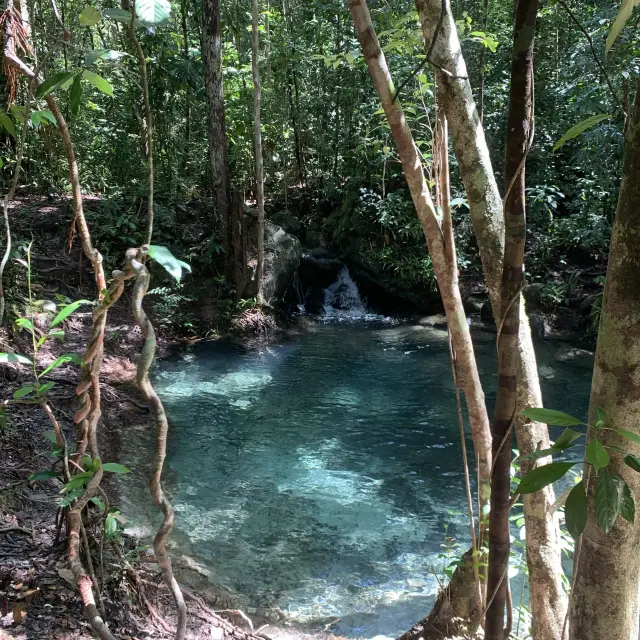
446 271
519 138
212 55
187 108
483 55
548 602
257 143
604 603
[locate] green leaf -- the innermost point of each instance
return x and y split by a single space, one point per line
163 256
42 475
629 435
104 54
575 511
627 504
66 311
67 357
14 357
601 417
608 498
24 391
543 476
566 438
152 12
98 82
89 17
77 481
51 437
47 386
551 417
597 455
633 462
99 503
59 80
114 467
110 526
580 128
56 334
75 95
119 15
24 323
7 124
626 9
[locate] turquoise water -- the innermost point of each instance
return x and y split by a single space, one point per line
319 477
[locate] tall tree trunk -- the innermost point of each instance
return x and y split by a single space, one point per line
519 138
257 143
446 270
187 108
604 603
212 55
548 602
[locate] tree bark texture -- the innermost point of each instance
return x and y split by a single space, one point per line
212 55
604 603
548 601
519 138
446 271
257 142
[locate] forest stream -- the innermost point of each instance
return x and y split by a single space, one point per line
320 476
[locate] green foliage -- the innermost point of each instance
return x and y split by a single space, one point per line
171 264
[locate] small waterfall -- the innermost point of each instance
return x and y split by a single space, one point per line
342 298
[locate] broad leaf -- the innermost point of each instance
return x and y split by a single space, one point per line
99 503
566 438
47 386
627 504
597 455
551 417
633 462
629 435
14 357
119 15
626 9
24 323
23 392
163 256
66 311
110 526
67 357
98 82
7 124
114 467
59 80
75 95
575 511
580 128
43 475
543 476
77 481
152 12
608 497
51 437
103 54
89 17
601 417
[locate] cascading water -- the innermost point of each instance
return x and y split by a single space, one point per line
342 298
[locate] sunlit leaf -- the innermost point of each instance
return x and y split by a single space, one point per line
551 417
104 54
14 357
163 256
608 498
566 438
98 82
580 128
543 476
597 455
575 511
152 12
67 357
626 9
114 467
66 311
89 17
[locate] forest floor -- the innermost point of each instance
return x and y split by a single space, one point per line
38 596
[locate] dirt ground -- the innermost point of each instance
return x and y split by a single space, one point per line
38 595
